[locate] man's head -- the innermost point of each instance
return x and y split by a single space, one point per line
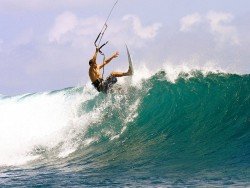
91 62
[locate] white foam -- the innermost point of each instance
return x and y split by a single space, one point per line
29 122
173 69
141 72
38 120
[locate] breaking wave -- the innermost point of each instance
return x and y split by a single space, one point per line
158 130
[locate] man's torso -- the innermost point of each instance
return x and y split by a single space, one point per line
94 73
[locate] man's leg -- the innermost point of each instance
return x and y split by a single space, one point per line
118 74
121 74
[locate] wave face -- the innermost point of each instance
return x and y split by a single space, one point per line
193 132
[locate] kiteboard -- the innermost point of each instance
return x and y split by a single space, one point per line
130 60
119 88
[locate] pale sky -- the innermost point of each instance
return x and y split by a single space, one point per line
45 45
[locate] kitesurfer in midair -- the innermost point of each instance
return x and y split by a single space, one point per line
96 77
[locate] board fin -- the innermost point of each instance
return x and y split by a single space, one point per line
130 60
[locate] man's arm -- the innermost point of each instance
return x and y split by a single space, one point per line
95 54
115 55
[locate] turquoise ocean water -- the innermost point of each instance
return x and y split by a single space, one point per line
155 133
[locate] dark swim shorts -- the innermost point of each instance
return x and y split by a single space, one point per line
104 86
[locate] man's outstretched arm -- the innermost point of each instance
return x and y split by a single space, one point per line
95 54
115 55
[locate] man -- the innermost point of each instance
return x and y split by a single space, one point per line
95 75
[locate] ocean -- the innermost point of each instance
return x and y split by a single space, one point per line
151 132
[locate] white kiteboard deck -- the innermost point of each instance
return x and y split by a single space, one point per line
130 60
117 88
